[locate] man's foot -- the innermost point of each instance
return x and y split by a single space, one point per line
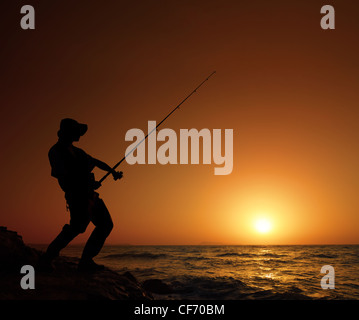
89 266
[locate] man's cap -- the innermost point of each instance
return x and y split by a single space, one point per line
70 127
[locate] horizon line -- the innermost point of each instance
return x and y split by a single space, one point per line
205 245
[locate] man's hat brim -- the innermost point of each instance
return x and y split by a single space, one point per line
82 129
70 127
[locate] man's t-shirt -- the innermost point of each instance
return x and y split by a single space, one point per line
72 167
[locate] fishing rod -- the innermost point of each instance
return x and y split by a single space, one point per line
118 163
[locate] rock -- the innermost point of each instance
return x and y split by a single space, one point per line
157 286
65 283
13 252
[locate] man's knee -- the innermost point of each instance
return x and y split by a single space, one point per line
108 227
81 228
75 229
102 218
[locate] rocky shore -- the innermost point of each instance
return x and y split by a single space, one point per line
65 283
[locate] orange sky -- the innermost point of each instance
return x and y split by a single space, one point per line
287 88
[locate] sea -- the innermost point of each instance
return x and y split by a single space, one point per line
218 272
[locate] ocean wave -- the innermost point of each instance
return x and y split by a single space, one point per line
272 255
212 287
322 255
140 255
251 255
272 295
277 261
239 272
193 258
228 288
235 254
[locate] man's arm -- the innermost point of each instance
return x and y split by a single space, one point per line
104 166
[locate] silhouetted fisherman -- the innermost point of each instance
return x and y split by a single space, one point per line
72 167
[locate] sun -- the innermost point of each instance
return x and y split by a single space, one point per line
263 225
